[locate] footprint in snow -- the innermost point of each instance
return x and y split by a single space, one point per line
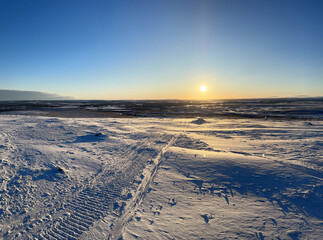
207 217
172 202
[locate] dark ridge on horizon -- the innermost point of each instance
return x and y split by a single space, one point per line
287 108
20 95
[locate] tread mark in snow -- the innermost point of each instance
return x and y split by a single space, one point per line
96 200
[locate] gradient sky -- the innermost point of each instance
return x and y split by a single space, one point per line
162 49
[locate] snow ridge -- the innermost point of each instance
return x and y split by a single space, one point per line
102 196
141 190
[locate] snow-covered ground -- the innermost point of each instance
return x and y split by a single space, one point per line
155 178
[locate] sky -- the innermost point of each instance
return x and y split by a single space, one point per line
162 49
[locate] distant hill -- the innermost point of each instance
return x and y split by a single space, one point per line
17 95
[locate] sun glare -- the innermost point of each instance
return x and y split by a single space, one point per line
203 88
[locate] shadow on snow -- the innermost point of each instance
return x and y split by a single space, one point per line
298 190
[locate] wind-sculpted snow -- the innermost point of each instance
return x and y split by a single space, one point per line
228 196
64 178
274 181
186 142
73 178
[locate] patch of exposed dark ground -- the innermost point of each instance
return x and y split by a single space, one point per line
288 108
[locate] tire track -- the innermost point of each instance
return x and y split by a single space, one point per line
98 199
115 234
33 228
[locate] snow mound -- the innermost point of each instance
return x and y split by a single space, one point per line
92 137
199 121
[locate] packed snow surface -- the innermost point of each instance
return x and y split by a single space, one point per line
160 178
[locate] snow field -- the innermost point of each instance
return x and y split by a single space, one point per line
150 178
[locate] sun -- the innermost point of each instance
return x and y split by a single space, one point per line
203 88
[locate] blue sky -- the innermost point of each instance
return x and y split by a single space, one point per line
162 49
